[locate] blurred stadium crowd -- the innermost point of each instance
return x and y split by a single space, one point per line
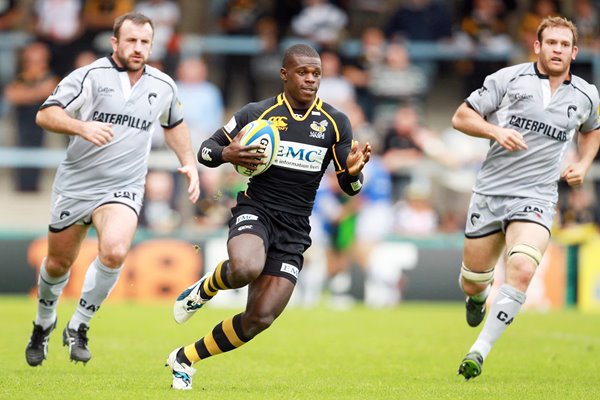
397 68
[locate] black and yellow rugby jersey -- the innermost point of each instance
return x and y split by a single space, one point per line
309 141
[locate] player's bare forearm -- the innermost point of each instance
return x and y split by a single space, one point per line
468 121
587 146
56 119
178 139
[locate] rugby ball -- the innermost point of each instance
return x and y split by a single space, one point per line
261 132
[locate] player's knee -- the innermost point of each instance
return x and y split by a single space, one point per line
531 253
255 323
58 266
477 278
244 269
522 263
113 256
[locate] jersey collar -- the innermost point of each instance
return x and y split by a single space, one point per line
543 76
306 114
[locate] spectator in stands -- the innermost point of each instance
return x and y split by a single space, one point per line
587 19
64 34
357 69
420 20
415 214
166 15
204 108
10 15
98 18
362 129
484 29
159 213
405 145
266 64
239 18
33 84
204 112
335 89
538 10
321 22
397 80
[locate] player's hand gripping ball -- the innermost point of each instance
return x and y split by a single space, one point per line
261 132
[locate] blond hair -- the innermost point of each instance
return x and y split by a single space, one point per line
556 22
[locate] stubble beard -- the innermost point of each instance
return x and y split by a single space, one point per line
129 65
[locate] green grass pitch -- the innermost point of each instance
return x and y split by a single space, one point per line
409 352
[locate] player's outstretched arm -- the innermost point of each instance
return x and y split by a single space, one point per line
587 147
55 119
468 121
178 139
358 158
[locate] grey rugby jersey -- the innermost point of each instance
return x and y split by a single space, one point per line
518 97
101 91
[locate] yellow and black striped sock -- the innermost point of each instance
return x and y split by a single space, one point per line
215 282
226 336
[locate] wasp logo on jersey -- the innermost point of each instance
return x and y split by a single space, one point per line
318 129
279 122
300 156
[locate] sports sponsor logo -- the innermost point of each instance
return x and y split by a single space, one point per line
125 194
279 122
246 217
244 227
570 110
64 214
356 186
539 127
122 119
474 218
538 212
523 96
90 307
290 269
151 97
300 156
105 91
206 154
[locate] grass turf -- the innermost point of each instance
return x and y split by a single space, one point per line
409 352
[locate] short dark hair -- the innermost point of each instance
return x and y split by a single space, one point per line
136 18
298 50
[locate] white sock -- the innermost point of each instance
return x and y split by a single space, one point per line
49 290
505 308
99 281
